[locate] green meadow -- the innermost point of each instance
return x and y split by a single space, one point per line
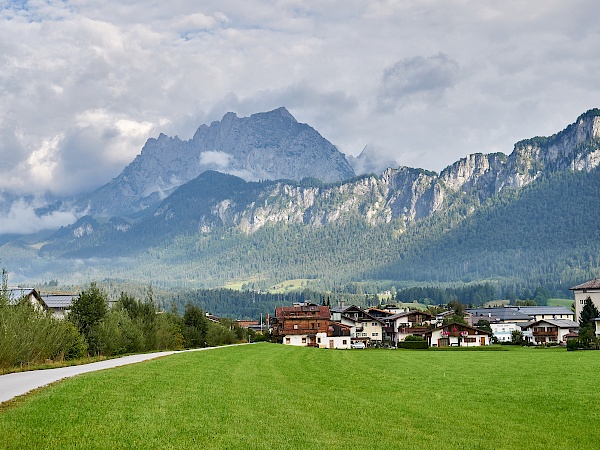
268 396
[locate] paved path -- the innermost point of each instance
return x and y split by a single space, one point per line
19 383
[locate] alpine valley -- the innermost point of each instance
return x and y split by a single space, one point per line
265 199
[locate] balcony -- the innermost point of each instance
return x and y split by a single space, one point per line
546 333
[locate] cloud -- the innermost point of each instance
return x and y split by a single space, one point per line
85 83
418 78
215 159
22 218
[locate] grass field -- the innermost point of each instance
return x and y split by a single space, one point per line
566 302
272 396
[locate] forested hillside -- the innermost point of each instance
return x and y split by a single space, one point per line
546 234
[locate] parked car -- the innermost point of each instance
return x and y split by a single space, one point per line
358 345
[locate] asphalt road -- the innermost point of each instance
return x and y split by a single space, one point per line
15 384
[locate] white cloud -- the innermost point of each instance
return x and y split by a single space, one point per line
216 159
22 218
84 83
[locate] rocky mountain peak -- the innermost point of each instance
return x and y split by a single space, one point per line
265 146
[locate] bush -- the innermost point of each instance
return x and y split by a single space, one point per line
414 345
29 336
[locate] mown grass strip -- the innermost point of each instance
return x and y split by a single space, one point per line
272 396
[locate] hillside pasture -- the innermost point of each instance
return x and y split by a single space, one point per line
274 396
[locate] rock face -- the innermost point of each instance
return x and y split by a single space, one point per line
214 199
577 147
264 146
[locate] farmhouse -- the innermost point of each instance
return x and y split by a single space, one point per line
457 335
581 292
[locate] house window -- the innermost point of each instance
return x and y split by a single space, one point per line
295 326
373 324
374 334
345 341
312 326
287 340
470 340
304 340
319 340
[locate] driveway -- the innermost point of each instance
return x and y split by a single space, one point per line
15 384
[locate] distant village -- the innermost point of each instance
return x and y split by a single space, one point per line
346 327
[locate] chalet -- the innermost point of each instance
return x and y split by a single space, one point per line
379 313
406 323
581 292
457 335
365 327
550 331
300 324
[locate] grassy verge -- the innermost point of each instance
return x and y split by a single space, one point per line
54 364
273 396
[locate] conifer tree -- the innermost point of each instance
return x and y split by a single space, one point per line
586 320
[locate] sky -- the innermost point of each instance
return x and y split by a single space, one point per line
84 83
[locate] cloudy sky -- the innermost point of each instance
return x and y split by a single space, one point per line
84 83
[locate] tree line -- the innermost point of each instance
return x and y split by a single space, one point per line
96 326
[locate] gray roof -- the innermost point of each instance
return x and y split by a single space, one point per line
58 301
546 310
560 323
501 314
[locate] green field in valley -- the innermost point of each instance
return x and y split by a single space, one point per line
273 396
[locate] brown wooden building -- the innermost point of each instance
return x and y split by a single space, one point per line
301 319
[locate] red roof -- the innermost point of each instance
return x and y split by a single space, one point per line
592 284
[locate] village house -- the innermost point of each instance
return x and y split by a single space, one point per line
550 331
365 327
499 315
581 292
457 335
407 323
299 324
56 304
505 320
309 325
503 331
30 295
545 312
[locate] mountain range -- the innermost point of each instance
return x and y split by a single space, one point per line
267 199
